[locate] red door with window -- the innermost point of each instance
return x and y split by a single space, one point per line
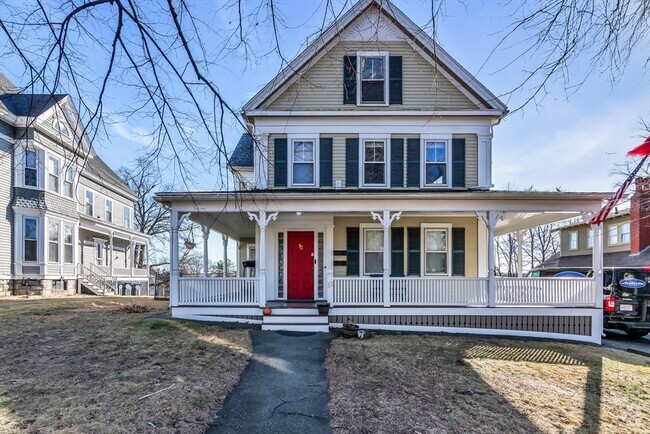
300 265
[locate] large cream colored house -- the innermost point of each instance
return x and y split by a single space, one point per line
365 181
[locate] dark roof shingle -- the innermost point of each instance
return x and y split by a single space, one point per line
242 156
615 259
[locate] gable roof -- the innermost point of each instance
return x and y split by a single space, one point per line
242 156
326 41
30 105
99 168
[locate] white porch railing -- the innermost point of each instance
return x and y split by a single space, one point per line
358 291
550 291
455 291
237 291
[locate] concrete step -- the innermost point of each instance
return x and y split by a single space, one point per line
286 311
295 319
297 327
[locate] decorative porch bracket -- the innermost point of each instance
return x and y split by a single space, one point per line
386 219
491 218
262 220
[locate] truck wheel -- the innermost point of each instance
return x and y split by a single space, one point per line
637 333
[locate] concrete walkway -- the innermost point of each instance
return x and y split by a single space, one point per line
283 388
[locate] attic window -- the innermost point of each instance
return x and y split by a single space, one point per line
372 78
60 127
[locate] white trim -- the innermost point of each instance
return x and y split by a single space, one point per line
383 54
423 248
362 246
315 139
373 113
446 138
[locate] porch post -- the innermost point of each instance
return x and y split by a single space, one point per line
386 219
262 221
237 259
491 219
174 271
206 237
224 240
130 261
110 237
597 264
329 263
520 259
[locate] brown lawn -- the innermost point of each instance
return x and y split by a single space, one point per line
81 365
435 383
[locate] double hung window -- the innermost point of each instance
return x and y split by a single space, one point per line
374 163
53 242
68 183
303 162
90 202
53 174
573 240
31 168
30 240
435 251
373 251
127 218
435 163
68 246
109 211
373 79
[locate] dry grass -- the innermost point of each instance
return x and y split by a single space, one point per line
80 365
432 383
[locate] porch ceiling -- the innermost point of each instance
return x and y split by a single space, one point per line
516 221
235 225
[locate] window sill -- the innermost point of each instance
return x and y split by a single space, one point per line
372 104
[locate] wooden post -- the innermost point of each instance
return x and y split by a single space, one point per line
206 237
520 259
173 259
597 264
224 240
329 263
262 221
386 219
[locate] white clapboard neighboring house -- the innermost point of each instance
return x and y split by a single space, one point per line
365 181
67 219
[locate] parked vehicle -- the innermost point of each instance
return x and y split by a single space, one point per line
626 297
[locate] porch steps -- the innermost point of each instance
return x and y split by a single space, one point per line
295 319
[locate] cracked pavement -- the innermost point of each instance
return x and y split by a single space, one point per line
283 388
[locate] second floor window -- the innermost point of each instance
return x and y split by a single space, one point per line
89 202
68 182
372 79
374 163
53 174
109 210
30 240
573 240
613 235
435 161
127 218
625 233
303 162
590 239
68 246
31 168
53 242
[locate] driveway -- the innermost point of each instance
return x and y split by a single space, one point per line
283 388
621 341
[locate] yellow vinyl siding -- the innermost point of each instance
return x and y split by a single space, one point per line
469 223
321 86
471 158
583 238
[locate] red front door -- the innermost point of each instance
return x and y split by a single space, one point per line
300 265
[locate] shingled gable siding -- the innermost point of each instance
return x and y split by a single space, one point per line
321 87
6 184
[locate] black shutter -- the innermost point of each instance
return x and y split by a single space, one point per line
413 162
351 162
395 82
352 261
349 79
325 162
458 162
397 252
413 251
280 163
396 162
458 251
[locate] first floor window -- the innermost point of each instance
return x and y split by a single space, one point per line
373 251
435 253
53 174
590 239
89 202
109 210
435 160
372 79
127 218
625 233
31 168
68 182
100 253
573 240
68 246
53 242
303 162
613 235
374 163
30 245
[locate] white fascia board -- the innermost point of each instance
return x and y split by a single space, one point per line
373 113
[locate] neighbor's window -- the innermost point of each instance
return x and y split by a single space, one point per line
89 202
30 246
53 242
625 233
590 239
109 210
374 163
68 182
127 217
53 174
435 163
303 162
372 79
31 168
373 251
435 253
573 240
613 235
68 246
100 253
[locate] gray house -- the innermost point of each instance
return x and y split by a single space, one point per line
67 218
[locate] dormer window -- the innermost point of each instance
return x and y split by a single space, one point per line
372 78
60 127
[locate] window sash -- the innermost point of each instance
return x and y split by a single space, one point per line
68 245
127 218
625 233
372 79
303 159
53 242
68 181
109 211
438 255
435 163
90 199
53 174
373 256
590 239
30 243
613 235
374 162
573 241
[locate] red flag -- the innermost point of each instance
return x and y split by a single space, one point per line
643 150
